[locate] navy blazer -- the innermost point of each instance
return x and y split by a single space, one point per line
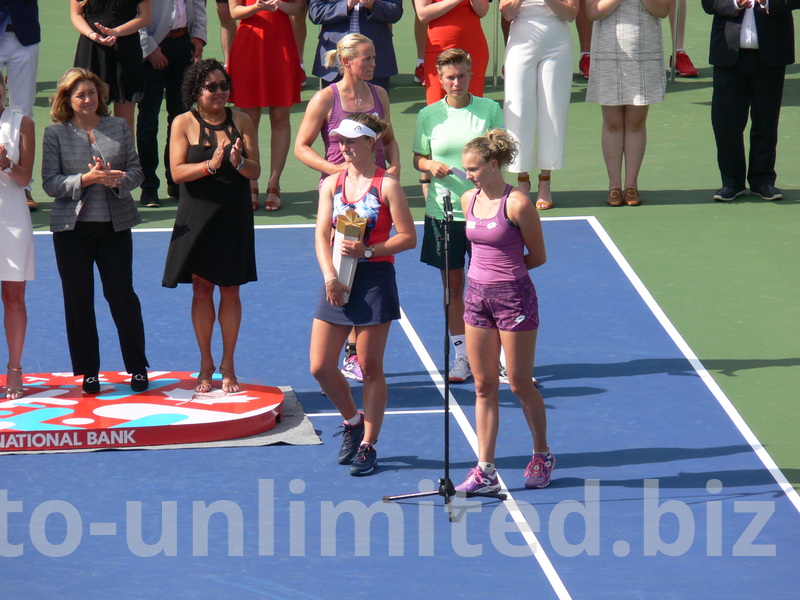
332 15
25 20
775 31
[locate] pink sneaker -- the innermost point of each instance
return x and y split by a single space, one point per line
352 369
537 475
478 481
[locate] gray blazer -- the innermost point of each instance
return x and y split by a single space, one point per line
67 154
163 11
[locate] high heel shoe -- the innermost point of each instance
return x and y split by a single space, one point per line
254 195
543 203
203 384
14 393
230 385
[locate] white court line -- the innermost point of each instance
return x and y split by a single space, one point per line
432 411
701 371
511 505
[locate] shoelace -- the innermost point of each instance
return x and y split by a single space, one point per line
536 468
138 377
363 452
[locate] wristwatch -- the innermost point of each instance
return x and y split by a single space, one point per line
369 251
240 166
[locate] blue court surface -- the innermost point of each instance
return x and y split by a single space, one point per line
660 489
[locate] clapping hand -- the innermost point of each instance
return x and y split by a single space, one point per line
236 152
5 162
103 174
215 162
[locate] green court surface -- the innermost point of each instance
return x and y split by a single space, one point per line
727 275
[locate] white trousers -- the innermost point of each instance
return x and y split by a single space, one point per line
21 64
538 83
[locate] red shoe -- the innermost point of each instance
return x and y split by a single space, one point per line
583 65
683 65
419 74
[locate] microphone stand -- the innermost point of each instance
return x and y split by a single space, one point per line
446 488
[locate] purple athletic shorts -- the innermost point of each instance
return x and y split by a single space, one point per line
506 305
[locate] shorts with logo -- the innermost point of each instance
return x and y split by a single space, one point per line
432 252
505 305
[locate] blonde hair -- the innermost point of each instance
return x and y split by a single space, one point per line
347 47
496 144
60 106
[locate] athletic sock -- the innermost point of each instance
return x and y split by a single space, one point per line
487 468
459 345
355 420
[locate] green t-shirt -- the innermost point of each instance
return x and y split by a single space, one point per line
442 132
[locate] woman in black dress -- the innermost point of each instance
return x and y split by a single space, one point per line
213 156
109 47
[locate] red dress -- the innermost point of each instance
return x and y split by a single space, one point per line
458 28
264 65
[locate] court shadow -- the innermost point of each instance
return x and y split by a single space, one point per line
648 366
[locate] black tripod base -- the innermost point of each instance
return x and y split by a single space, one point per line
446 490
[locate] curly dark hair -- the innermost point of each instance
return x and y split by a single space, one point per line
195 77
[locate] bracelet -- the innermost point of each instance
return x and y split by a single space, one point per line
424 180
330 279
207 169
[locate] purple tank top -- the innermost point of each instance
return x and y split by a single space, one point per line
338 114
498 251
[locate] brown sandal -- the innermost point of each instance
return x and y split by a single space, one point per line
230 384
614 197
541 203
632 197
204 376
254 194
272 205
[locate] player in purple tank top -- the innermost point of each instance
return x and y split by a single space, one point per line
500 305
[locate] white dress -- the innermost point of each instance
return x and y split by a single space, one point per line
16 233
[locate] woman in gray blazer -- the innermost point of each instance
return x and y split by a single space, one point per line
90 166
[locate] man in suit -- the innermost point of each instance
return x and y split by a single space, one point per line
20 35
371 18
752 41
174 38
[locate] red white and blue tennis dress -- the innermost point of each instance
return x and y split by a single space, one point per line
373 297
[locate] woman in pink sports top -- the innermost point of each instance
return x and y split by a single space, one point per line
501 307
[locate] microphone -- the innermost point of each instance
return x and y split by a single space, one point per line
448 204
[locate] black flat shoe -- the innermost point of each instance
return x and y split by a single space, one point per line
767 192
91 384
727 193
139 382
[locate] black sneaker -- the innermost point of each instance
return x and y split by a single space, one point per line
139 381
364 462
149 198
353 434
727 193
91 384
767 192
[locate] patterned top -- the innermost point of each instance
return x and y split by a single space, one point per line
627 58
371 207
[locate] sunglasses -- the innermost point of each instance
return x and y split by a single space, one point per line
213 87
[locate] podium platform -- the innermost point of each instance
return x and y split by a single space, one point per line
55 414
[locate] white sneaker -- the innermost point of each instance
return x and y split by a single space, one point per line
504 376
459 370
